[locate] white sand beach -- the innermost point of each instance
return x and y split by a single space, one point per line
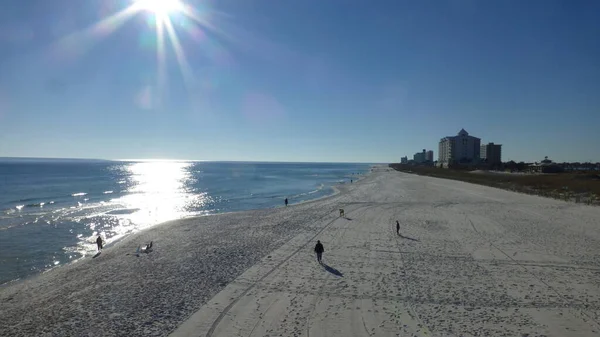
471 261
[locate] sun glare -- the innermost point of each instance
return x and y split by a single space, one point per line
168 18
161 7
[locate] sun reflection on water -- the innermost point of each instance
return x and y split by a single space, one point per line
158 192
155 192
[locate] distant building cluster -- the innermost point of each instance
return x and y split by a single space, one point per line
491 153
420 158
466 149
460 149
429 156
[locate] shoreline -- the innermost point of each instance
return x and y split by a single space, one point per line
470 260
197 244
334 191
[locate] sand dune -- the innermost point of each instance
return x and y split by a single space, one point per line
471 261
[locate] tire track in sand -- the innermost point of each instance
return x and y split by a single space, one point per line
218 320
517 262
314 303
424 330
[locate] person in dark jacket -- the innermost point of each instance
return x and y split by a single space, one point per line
286 201
99 242
397 227
319 250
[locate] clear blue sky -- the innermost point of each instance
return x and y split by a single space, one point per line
312 80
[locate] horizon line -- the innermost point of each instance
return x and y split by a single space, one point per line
187 160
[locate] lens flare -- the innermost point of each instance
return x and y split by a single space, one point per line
160 7
166 17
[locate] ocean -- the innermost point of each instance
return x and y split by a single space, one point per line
51 211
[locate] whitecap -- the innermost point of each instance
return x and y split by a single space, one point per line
108 192
19 207
78 194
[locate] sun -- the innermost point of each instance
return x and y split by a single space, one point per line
167 17
161 7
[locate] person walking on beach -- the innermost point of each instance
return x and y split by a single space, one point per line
99 242
286 201
397 227
319 250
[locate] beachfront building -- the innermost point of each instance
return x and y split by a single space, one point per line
404 160
462 148
419 157
429 156
424 157
491 153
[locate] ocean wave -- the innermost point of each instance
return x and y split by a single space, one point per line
25 200
31 205
108 192
123 211
319 189
39 204
315 191
9 226
80 194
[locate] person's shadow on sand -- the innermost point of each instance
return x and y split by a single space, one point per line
408 238
333 270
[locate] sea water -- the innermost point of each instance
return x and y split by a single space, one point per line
51 211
